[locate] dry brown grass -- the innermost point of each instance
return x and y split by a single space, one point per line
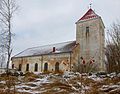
46 72
29 76
58 72
61 86
108 81
88 81
93 90
55 88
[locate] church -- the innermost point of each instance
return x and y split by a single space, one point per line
86 52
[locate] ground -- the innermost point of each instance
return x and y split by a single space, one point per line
67 83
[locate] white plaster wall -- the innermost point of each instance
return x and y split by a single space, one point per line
95 46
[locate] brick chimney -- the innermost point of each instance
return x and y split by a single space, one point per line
54 49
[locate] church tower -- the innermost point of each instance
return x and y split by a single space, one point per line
90 35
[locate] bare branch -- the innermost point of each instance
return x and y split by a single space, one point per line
113 48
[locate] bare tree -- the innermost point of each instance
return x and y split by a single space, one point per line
7 10
113 48
2 49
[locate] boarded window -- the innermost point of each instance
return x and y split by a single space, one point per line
57 67
27 67
36 67
46 67
12 66
20 67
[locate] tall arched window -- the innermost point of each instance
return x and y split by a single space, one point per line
46 67
27 67
36 67
20 67
57 67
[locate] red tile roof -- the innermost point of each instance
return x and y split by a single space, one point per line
88 15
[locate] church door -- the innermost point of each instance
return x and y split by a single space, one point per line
46 67
57 67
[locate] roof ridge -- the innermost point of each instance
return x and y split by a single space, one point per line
51 44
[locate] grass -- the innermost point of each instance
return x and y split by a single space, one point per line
60 85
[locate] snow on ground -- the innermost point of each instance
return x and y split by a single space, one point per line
68 83
95 78
2 82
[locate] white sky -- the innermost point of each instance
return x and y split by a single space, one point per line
41 22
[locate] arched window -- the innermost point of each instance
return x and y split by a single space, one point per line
20 67
12 66
46 67
36 67
57 67
27 67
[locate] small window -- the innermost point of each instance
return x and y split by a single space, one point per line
87 32
27 67
87 29
12 66
20 67
36 67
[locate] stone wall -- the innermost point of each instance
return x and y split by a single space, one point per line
62 59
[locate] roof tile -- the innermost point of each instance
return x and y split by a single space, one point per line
88 15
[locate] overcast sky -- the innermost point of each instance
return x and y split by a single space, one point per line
42 22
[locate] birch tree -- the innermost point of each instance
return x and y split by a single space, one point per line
7 10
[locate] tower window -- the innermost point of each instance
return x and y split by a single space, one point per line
87 32
87 29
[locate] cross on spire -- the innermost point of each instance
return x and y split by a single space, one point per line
90 5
